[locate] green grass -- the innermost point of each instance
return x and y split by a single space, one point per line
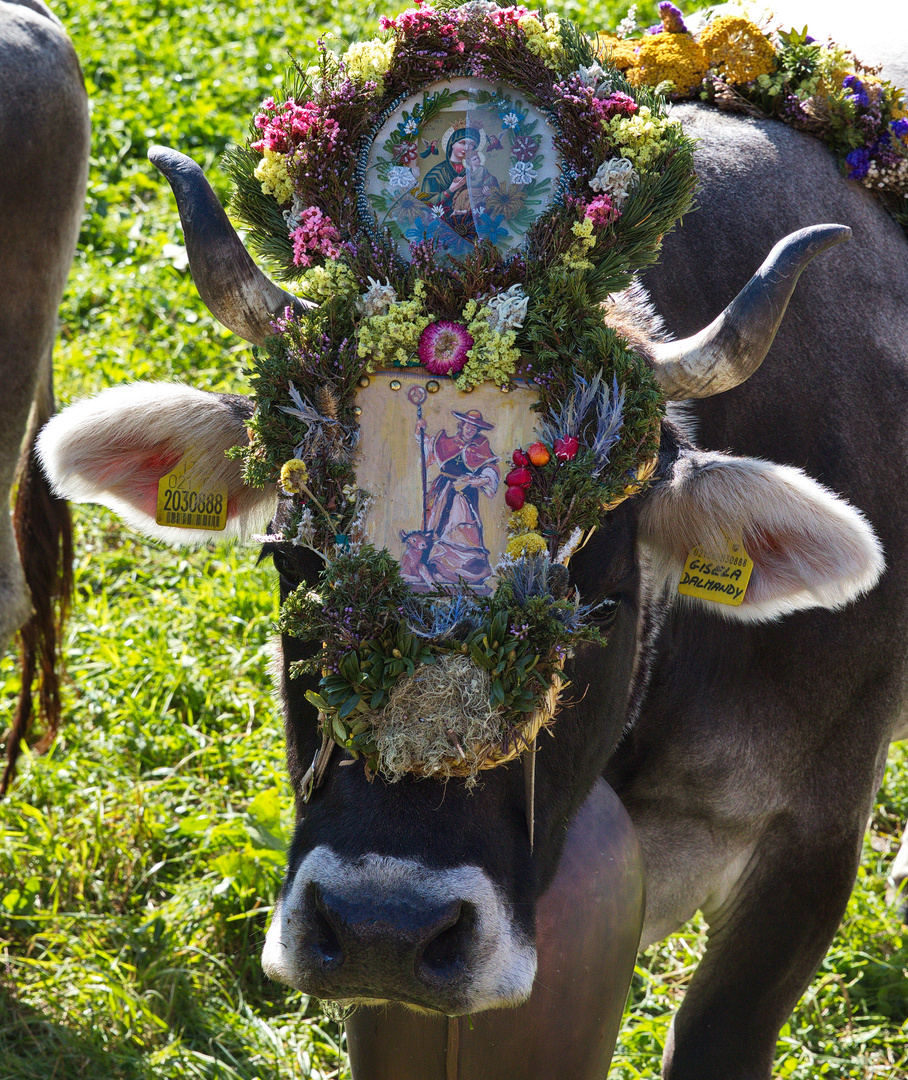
140 858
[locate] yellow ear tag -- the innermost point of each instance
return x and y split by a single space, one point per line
189 501
720 578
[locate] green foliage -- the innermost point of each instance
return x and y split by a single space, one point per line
139 857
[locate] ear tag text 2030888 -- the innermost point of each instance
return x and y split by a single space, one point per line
719 577
188 501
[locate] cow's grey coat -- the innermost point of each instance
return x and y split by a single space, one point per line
44 143
758 750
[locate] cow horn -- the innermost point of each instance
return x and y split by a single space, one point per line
733 346
233 288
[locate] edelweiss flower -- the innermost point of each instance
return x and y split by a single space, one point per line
615 177
592 75
376 299
400 176
522 172
507 310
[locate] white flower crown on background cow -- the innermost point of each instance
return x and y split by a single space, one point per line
451 418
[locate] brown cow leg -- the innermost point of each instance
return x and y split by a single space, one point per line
588 928
764 948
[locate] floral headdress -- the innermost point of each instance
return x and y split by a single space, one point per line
458 197
765 71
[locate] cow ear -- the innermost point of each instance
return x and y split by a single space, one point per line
114 449
809 548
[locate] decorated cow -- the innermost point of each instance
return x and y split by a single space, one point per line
44 137
507 570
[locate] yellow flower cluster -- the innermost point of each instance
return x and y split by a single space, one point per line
736 49
369 60
575 258
526 544
271 173
674 58
493 357
524 540
294 475
620 52
393 338
523 520
543 37
641 138
323 282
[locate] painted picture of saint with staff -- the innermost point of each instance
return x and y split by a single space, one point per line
449 548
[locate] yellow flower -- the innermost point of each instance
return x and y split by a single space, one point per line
737 50
543 37
525 544
369 60
620 53
575 258
523 520
271 173
641 138
333 279
393 338
674 58
294 475
494 356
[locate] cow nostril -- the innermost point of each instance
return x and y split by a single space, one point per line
323 938
447 952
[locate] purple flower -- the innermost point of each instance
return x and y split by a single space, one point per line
858 162
443 347
899 128
671 17
856 90
525 147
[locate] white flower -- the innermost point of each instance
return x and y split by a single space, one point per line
592 75
522 172
400 176
507 310
615 177
411 126
510 120
628 24
377 298
438 211
292 215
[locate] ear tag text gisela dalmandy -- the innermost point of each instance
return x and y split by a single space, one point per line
719 577
187 501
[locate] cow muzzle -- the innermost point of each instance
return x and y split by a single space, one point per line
386 929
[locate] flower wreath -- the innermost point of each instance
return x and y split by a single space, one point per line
458 196
738 66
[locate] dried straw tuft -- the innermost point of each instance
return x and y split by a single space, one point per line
437 722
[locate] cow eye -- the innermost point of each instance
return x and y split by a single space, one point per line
286 566
605 614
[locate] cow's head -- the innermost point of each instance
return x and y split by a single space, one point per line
424 891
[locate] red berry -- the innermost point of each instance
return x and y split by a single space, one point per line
539 453
519 478
566 448
519 458
515 497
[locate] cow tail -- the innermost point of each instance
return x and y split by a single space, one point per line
44 536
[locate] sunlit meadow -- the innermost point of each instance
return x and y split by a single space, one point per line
140 858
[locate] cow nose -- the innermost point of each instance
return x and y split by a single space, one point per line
379 946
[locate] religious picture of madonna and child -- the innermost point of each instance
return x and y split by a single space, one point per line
461 475
460 165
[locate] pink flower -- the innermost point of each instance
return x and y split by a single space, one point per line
285 126
443 347
617 104
601 211
315 232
